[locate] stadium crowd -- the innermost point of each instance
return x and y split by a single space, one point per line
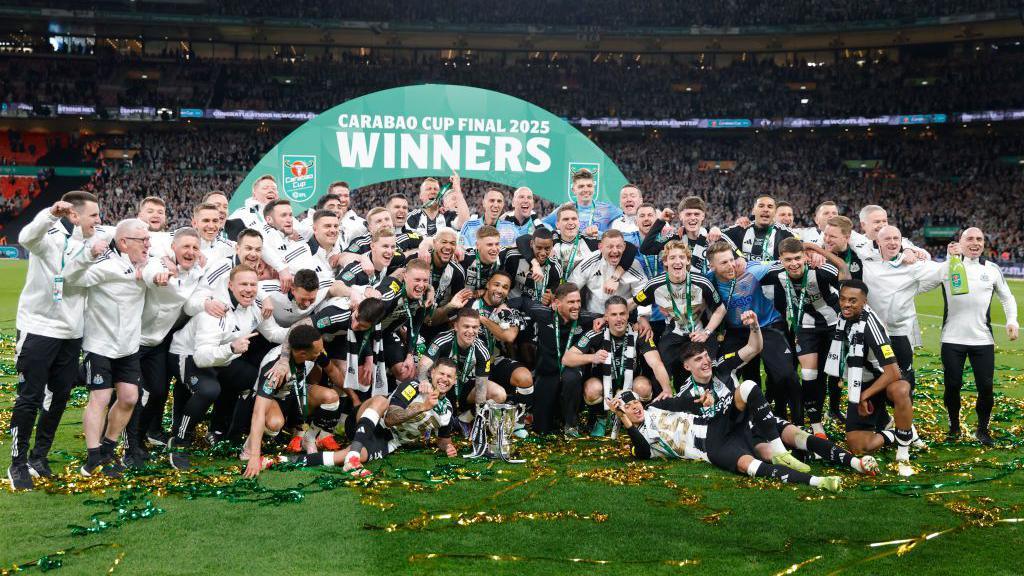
600 14
802 168
569 85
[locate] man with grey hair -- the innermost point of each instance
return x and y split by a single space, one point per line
872 219
172 294
113 330
893 284
967 329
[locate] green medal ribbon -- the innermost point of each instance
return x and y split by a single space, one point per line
689 304
467 366
795 314
572 257
558 339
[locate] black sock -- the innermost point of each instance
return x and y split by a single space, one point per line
107 447
325 419
782 474
364 433
829 451
95 457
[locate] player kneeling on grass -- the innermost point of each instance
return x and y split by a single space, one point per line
304 394
862 355
412 413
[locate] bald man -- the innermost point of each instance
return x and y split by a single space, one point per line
894 280
967 330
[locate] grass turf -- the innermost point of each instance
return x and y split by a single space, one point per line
582 501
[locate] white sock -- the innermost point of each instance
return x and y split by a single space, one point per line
903 453
815 481
328 458
372 415
800 439
752 468
818 428
778 447
856 465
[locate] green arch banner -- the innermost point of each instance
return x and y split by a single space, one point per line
430 130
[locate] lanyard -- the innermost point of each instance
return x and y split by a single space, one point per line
572 257
649 268
467 365
689 304
558 340
538 291
413 332
63 253
485 311
766 245
366 340
480 269
795 314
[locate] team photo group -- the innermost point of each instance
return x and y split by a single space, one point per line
329 337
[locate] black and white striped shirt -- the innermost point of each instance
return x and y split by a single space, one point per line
821 303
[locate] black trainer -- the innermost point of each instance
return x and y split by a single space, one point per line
158 439
179 460
39 467
19 477
135 458
983 437
953 435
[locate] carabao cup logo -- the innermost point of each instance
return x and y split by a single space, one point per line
299 177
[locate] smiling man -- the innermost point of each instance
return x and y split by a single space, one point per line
761 240
206 221
491 207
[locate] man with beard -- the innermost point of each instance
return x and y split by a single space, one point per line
557 389
248 251
447 276
836 238
463 345
784 215
50 322
283 248
691 231
595 216
398 206
171 297
538 277
739 285
613 360
630 199
407 303
808 299
500 325
153 211
351 226
491 207
600 275
250 215
326 202
522 215
430 217
209 352
822 214
862 355
406 243
761 240
206 220
323 255
412 414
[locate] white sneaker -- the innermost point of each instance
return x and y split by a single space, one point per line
904 468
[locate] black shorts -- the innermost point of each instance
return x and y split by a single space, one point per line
870 423
101 373
379 443
724 451
501 372
811 341
337 348
395 349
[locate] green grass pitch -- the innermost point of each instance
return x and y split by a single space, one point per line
576 509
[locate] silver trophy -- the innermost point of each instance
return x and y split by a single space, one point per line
492 430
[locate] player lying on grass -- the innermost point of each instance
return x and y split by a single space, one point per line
413 413
730 426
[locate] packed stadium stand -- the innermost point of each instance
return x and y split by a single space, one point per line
78 91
